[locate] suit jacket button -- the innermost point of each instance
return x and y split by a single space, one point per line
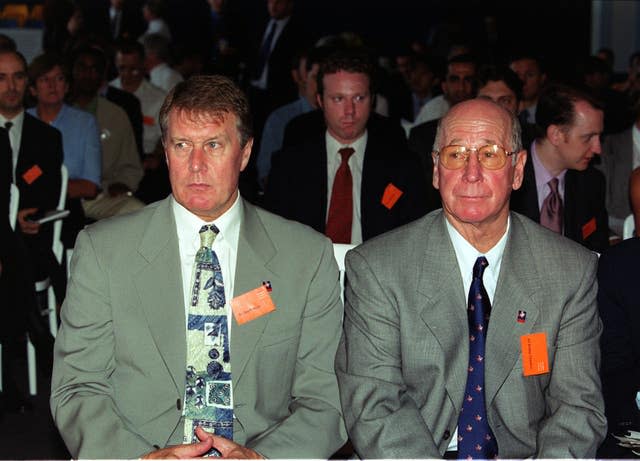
446 435
178 404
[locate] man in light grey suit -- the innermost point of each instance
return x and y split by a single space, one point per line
118 387
403 362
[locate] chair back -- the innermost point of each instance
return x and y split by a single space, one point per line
628 228
340 252
18 12
14 201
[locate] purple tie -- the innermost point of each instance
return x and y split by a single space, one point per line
551 212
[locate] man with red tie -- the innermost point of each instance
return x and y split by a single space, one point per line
348 178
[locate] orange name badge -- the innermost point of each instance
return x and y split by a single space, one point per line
535 360
252 304
391 195
148 120
589 228
32 174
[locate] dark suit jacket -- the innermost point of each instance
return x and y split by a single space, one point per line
297 187
280 85
620 341
585 216
40 158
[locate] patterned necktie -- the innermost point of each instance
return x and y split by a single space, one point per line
475 439
341 207
208 392
551 212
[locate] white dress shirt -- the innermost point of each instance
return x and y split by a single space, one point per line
334 159
164 77
15 137
635 135
466 256
225 245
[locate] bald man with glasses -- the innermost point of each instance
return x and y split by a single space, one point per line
472 333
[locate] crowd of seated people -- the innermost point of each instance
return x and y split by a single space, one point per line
344 142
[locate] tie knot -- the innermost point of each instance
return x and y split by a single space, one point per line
346 153
479 267
208 235
8 125
553 185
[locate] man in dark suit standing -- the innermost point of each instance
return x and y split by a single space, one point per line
33 164
350 180
509 370
560 189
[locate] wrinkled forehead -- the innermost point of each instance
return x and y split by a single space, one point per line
199 117
477 126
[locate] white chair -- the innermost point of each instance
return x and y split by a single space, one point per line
340 252
58 250
628 227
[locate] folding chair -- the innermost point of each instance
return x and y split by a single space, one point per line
628 227
340 252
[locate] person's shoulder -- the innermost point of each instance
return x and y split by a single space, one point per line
152 91
626 251
110 231
79 116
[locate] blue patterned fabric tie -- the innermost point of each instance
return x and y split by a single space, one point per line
208 389
475 439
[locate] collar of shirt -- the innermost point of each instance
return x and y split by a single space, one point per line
635 135
188 225
334 159
466 256
15 136
543 177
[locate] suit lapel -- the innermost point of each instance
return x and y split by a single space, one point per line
518 284
530 193
255 250
159 283
445 306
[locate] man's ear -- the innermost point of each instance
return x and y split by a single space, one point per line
518 172
555 134
436 177
319 100
246 153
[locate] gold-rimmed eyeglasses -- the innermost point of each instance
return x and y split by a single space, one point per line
491 156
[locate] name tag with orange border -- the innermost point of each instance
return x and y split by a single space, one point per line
589 228
390 196
535 358
252 305
32 174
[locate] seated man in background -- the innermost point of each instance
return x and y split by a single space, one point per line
121 166
145 361
561 190
348 179
509 371
48 83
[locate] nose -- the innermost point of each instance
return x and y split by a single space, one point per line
196 160
350 107
597 147
472 169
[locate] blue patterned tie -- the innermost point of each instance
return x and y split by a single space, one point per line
208 389
475 439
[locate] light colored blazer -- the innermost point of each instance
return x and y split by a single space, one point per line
402 362
120 355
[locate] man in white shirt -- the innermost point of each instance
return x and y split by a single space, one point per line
156 377
156 57
426 371
458 85
131 71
